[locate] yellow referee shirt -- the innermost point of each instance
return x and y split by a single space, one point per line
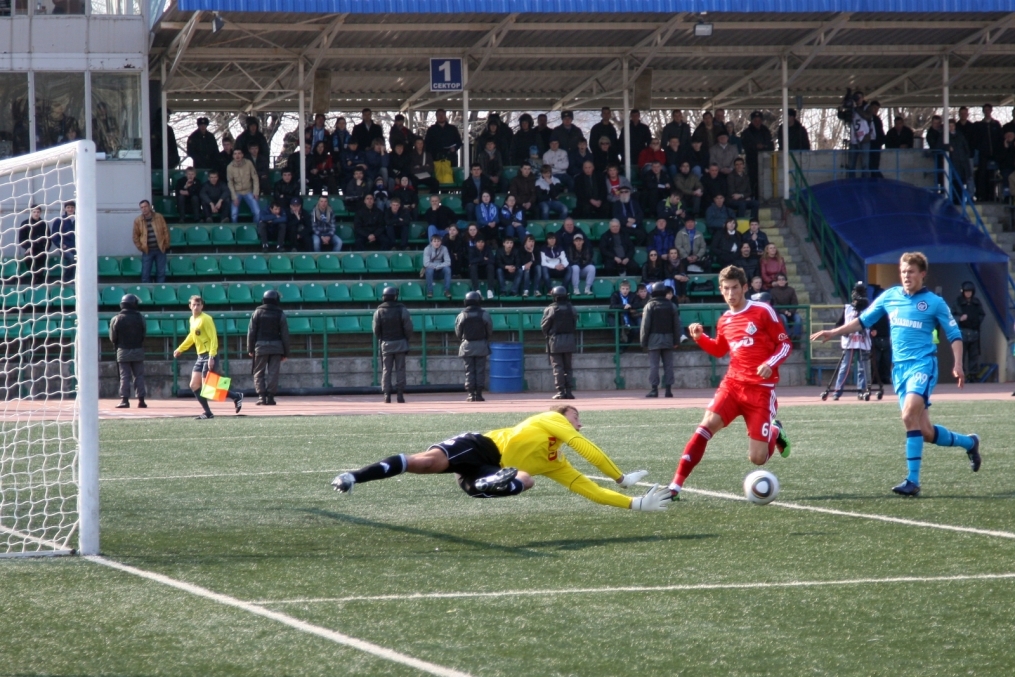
534 446
202 335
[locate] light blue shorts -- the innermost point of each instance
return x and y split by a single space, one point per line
915 376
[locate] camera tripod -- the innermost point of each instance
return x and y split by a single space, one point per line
874 375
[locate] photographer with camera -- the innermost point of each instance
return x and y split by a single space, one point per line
855 111
854 346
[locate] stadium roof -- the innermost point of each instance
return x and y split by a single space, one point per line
575 59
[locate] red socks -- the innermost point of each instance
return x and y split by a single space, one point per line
773 435
693 452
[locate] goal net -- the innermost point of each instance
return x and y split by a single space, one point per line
49 353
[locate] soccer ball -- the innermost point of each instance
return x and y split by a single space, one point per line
761 487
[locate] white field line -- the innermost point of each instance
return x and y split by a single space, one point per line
638 588
224 474
841 513
302 626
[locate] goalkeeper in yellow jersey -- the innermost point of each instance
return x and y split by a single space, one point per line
503 463
205 340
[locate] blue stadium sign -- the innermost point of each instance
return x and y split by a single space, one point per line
445 75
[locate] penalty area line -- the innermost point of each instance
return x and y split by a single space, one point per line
302 626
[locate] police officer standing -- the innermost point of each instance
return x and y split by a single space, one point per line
127 332
969 313
393 329
268 344
474 329
660 330
560 320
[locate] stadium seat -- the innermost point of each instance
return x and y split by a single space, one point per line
347 324
255 264
337 207
198 236
280 264
304 264
309 203
246 235
459 288
181 266
167 207
602 289
402 262
569 200
314 293
338 293
164 295
702 280
177 237
537 231
423 204
591 320
444 322
142 292
290 292
454 203
108 296
507 173
231 266
12 268
157 182
130 266
257 290
329 264
411 291
108 267
596 229
640 256
239 293
62 296
500 322
346 233
377 263
300 325
35 296
214 295
353 264
206 265
362 292
417 231
222 236
153 327
531 321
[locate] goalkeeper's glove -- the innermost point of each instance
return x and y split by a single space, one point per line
655 499
632 478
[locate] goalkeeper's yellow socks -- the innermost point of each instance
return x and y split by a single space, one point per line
383 469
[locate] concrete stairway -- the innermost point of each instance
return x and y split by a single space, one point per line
780 235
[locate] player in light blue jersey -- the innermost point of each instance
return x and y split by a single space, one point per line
914 312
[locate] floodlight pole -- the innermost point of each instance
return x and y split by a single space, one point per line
627 125
785 128
945 92
465 116
301 143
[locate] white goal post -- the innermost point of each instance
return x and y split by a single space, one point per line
49 353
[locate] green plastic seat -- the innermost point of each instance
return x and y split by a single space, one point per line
402 262
304 264
444 323
347 324
157 181
701 280
143 293
290 292
322 325
411 291
377 263
362 292
537 231
569 200
62 296
36 296
230 265
11 268
198 236
206 265
597 229
338 292
640 255
167 207
300 325
108 267
258 288
423 203
417 231
345 232
239 293
500 322
337 205
177 237
459 288
353 264
185 291
222 236
130 266
454 203
508 172
246 235
181 266
280 264
531 321
329 264
215 295
164 295
255 264
591 320
153 327
602 289
314 293
108 296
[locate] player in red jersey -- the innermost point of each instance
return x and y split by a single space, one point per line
753 334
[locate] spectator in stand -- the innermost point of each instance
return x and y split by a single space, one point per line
726 245
252 136
859 136
243 185
590 191
657 184
367 130
511 220
713 183
740 188
298 161
381 193
437 259
202 147
966 127
580 258
784 295
989 143
604 127
271 224
369 226
756 237
747 261
676 274
323 219
473 188
151 237
397 224
317 132
691 246
641 135
509 269
488 216
734 139
406 194
491 164
620 301
438 217
377 160
707 131
261 166
577 158
553 260
723 153
877 139
638 303
699 157
214 198
523 188
548 189
676 153
62 235
690 188
472 233
672 210
399 164
617 251
934 139
756 285
567 133
351 159
421 162
605 154
225 158
531 268
340 136
556 158
899 136
960 155
491 132
299 228
772 265
615 182
798 138
677 129
662 238
285 188
443 139
458 249
654 269
482 258
188 195
756 138
400 134
652 153
718 214
523 140
543 129
355 191
630 215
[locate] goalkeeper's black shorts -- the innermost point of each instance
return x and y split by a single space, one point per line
470 456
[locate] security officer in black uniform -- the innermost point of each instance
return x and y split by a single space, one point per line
660 331
268 344
969 313
393 329
474 329
127 331
560 321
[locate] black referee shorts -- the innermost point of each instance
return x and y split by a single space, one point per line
470 456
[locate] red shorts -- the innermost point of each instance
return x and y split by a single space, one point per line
756 403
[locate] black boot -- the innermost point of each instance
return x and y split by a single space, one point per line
561 395
141 404
568 395
471 397
387 398
653 393
668 393
270 401
479 396
261 399
124 404
401 397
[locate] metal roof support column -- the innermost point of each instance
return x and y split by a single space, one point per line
945 91
164 121
785 129
627 123
301 144
465 116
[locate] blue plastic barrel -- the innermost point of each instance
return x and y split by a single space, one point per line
507 367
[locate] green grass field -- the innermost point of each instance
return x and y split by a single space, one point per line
248 512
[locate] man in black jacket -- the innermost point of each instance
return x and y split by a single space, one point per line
202 147
299 229
215 199
367 130
286 188
756 138
253 136
33 237
127 332
969 313
268 344
660 331
393 329
617 251
590 189
559 324
397 224
443 139
188 195
481 257
474 329
509 269
369 226
641 136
